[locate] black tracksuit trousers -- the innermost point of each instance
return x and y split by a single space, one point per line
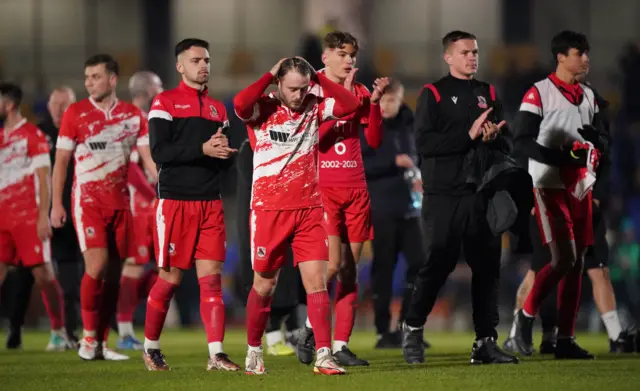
452 223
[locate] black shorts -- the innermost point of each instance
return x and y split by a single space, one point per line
597 255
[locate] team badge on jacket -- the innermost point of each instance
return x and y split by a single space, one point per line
482 102
214 112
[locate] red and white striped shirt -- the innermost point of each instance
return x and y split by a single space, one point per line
102 141
23 149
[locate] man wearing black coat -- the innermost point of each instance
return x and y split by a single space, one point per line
395 192
455 117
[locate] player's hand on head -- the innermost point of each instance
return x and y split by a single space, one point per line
275 69
58 216
379 86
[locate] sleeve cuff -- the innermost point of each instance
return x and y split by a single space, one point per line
65 143
143 141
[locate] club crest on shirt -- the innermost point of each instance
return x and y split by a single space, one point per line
482 102
262 252
214 112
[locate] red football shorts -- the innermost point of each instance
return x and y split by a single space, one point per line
144 218
561 216
272 230
348 214
189 230
98 227
19 243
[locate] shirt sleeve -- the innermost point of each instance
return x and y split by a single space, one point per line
162 149
247 103
38 150
326 109
68 135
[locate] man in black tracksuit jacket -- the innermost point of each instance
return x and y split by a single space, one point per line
454 117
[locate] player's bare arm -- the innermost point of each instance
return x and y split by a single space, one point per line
44 227
147 162
58 214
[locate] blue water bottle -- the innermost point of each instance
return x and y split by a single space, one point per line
412 175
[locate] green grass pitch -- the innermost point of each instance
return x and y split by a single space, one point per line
447 368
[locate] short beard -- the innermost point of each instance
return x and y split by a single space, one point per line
103 96
198 80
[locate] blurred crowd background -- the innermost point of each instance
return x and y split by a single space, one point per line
44 43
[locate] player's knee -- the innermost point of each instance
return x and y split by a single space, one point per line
264 285
172 276
95 261
132 270
207 268
564 265
42 275
599 275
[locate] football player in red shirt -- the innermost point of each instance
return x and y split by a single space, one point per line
25 231
99 132
286 204
344 190
135 283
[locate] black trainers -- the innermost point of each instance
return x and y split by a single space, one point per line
567 348
390 340
548 347
524 334
306 347
413 345
625 343
154 360
486 351
14 338
347 358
